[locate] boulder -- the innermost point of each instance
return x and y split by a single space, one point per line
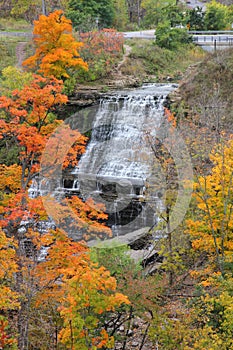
136 238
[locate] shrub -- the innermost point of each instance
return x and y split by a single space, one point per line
216 16
171 38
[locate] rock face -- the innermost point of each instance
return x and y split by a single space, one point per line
138 241
138 237
85 96
149 259
88 95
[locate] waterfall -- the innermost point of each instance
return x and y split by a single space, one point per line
118 161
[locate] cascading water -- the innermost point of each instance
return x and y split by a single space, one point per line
118 161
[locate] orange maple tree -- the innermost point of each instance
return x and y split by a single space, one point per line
28 283
27 118
27 121
56 48
83 292
48 274
9 297
101 49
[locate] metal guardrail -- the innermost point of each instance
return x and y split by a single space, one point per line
210 39
209 32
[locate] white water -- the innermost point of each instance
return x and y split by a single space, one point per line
117 150
118 161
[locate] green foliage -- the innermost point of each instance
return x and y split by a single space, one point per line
101 50
30 10
203 322
154 11
171 38
121 16
143 291
173 262
212 315
9 152
81 76
115 258
27 9
196 19
174 14
166 333
70 84
7 52
13 78
11 24
230 16
216 16
89 14
146 58
96 71
3 51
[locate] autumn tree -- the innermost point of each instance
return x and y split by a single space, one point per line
71 294
205 320
171 183
9 298
211 229
28 121
101 49
57 51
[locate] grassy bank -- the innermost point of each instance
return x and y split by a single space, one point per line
147 61
13 25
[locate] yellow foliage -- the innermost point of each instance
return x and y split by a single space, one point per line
8 267
212 232
10 178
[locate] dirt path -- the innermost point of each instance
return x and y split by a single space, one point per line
127 49
20 53
117 79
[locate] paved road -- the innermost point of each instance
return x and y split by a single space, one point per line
143 34
19 34
202 39
195 3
